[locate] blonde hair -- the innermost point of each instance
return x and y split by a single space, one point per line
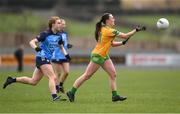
63 21
52 20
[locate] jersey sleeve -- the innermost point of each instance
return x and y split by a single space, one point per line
115 32
60 40
112 32
65 38
41 37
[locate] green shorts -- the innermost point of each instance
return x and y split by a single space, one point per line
98 59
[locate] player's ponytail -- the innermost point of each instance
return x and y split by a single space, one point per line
98 27
100 24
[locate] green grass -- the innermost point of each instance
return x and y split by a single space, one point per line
30 22
152 19
80 29
147 91
142 36
21 22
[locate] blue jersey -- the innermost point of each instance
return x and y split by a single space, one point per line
57 54
47 42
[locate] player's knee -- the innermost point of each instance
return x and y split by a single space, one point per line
58 74
66 73
34 82
55 79
52 78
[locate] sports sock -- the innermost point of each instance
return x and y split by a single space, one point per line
13 79
61 84
114 93
54 96
73 90
57 87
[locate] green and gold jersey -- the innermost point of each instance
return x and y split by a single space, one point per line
107 35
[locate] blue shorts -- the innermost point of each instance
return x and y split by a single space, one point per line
41 61
60 61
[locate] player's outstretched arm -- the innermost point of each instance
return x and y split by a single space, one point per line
128 35
131 33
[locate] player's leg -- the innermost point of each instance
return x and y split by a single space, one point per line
90 70
57 70
110 69
37 75
108 66
48 71
64 74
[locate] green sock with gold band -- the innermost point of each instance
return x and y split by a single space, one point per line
114 93
73 90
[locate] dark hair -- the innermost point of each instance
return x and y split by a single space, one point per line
99 25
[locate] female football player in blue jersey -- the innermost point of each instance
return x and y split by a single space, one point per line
47 40
59 61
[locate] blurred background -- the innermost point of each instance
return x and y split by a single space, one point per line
22 20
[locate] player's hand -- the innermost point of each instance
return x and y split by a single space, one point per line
69 46
37 49
61 42
68 57
140 28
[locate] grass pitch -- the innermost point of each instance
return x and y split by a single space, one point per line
148 91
